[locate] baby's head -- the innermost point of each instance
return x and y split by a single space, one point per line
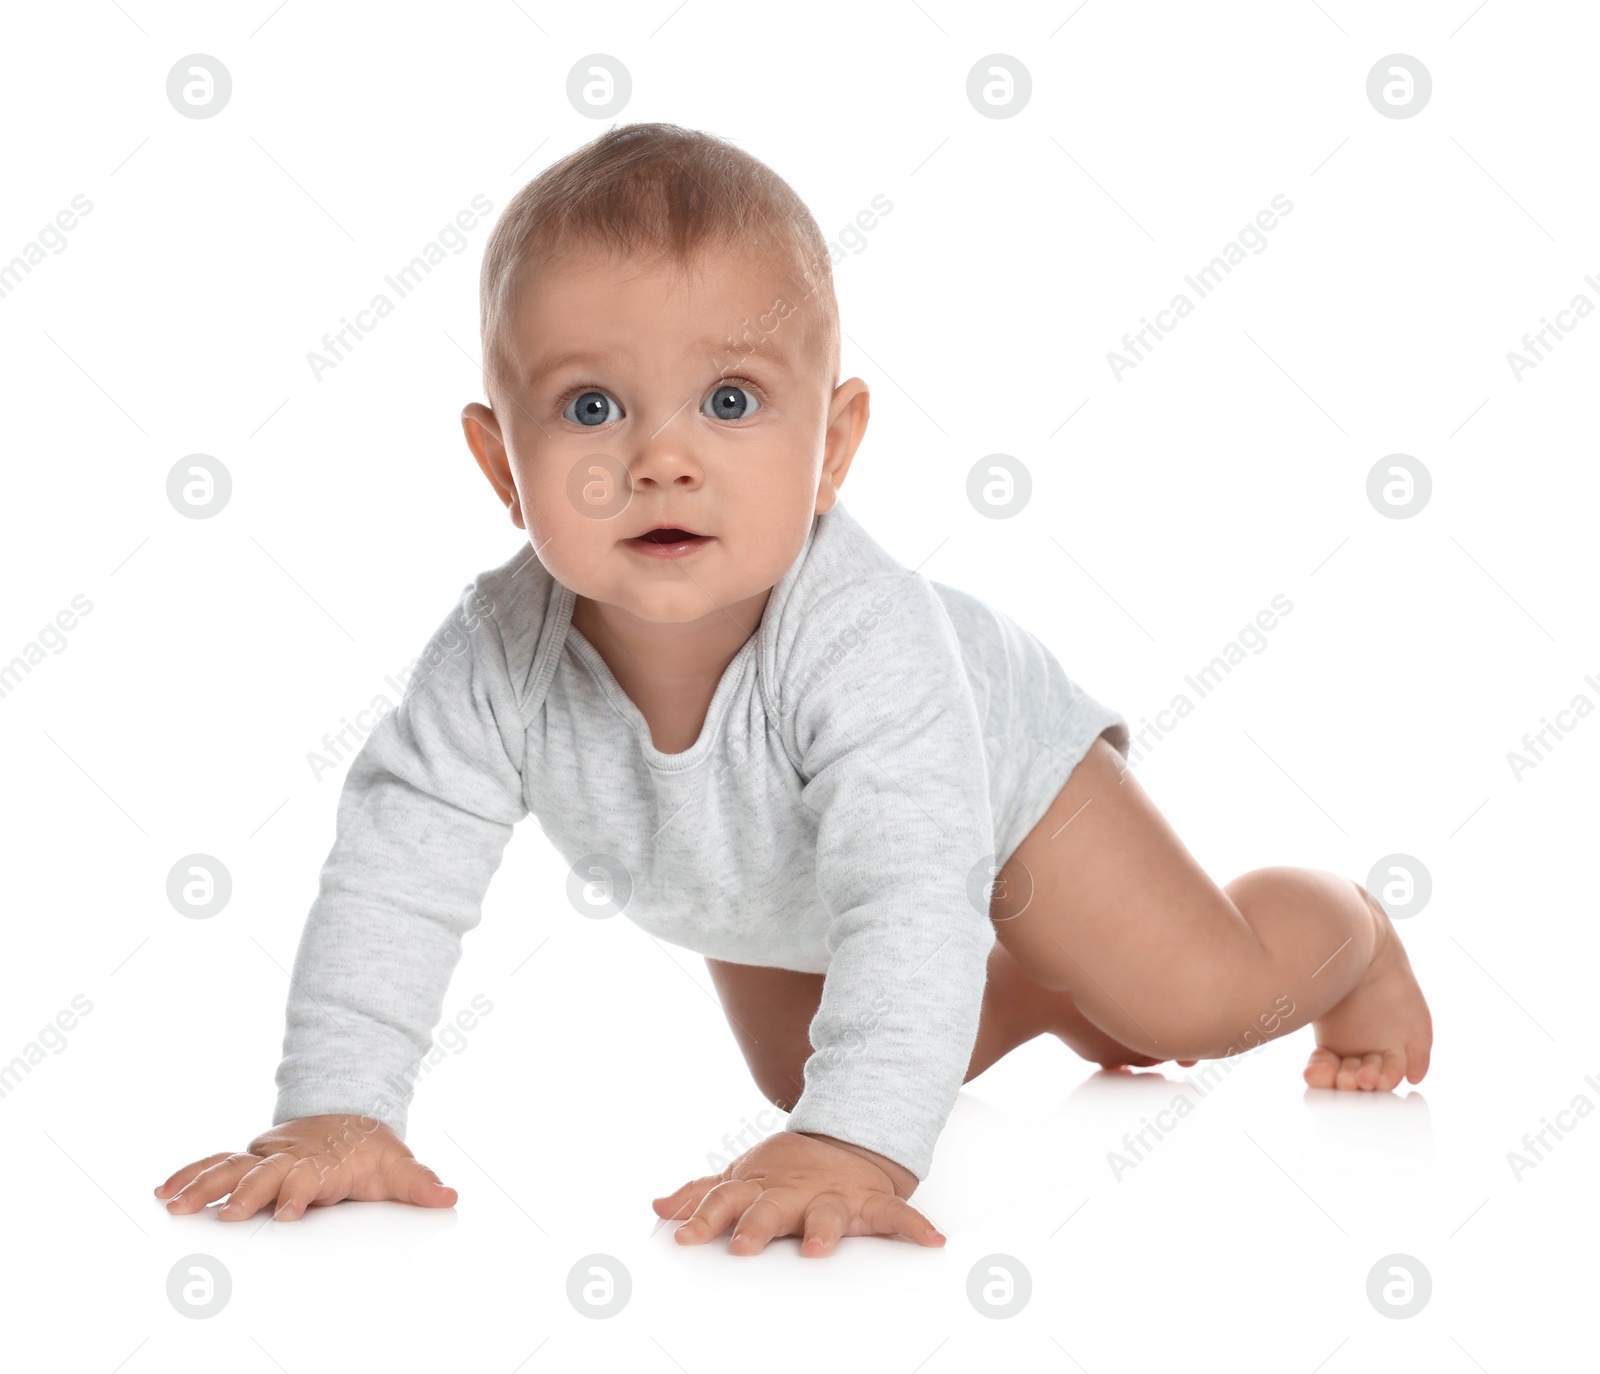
661 348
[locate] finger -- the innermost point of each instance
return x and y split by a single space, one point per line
889 1215
677 1206
716 1210
776 1212
826 1217
258 1187
683 1201
188 1173
315 1178
211 1183
409 1180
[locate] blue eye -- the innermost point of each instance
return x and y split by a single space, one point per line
591 408
730 403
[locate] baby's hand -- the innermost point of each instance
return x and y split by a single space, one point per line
795 1183
312 1159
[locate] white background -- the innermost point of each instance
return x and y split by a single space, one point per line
1167 511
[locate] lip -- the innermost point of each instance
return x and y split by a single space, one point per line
679 548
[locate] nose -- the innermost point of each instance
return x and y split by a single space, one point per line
665 457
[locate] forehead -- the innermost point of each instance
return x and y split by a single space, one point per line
732 304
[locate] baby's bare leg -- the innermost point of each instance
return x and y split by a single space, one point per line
770 1011
1102 900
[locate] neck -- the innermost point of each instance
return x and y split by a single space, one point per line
681 654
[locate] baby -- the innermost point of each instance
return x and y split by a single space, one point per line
903 839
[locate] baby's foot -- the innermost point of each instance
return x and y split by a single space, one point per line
1381 1032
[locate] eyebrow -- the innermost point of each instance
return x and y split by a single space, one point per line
765 349
765 352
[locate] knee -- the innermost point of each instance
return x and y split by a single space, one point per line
1223 1030
1281 891
783 1095
780 1082
1204 1019
782 1100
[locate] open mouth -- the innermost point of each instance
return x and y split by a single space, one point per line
670 542
668 536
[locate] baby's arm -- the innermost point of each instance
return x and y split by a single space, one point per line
423 820
892 749
885 732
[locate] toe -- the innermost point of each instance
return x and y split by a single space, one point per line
1321 1068
1368 1074
1416 1060
1349 1066
1393 1070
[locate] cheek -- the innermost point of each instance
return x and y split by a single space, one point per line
784 467
591 488
573 550
770 502
570 491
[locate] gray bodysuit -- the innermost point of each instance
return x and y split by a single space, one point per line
873 753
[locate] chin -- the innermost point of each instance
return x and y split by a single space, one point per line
666 605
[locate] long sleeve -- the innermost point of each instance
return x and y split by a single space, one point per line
426 812
891 752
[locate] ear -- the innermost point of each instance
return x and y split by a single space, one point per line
847 422
482 428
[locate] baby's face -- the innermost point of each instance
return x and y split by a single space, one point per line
638 397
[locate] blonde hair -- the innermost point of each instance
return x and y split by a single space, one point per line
657 191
